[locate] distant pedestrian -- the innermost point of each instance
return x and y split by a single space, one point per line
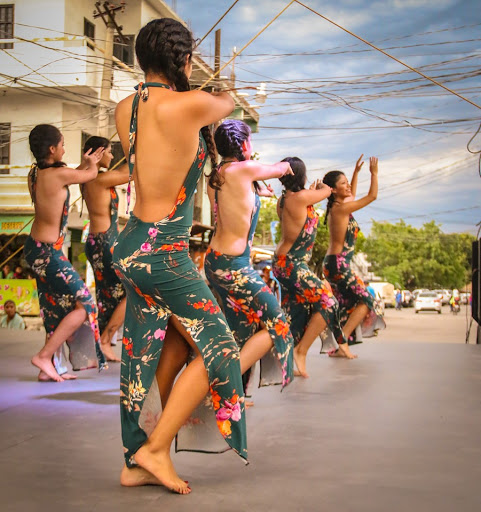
11 319
399 300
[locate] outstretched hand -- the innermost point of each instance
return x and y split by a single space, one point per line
92 158
373 165
287 167
266 191
320 185
359 163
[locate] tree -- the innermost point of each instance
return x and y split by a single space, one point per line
419 258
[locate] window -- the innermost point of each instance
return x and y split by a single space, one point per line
5 134
89 31
6 25
124 51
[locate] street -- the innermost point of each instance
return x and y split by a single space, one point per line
384 432
428 326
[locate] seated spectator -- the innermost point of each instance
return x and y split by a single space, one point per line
18 274
11 319
7 271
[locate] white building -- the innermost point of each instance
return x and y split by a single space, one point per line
51 61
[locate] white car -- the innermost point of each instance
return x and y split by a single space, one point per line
427 301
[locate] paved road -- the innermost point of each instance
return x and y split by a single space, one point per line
428 326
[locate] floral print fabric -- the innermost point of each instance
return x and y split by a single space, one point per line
303 293
98 248
160 279
348 288
59 289
248 302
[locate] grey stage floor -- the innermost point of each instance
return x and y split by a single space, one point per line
397 430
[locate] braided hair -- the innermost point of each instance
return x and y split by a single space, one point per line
41 139
297 181
330 179
163 46
229 137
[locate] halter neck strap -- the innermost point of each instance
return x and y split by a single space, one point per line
142 92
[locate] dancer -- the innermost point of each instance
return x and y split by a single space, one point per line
65 301
170 308
356 304
102 203
308 301
251 309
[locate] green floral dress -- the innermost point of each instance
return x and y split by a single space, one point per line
349 289
152 260
303 293
98 248
248 302
59 289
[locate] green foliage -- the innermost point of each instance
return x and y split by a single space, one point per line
419 258
268 213
321 243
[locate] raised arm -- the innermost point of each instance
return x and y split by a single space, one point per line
316 193
113 178
359 164
86 171
352 206
208 108
260 172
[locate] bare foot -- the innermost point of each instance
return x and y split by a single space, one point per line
248 403
43 377
45 365
300 360
134 477
343 351
160 466
108 352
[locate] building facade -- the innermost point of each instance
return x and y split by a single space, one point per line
52 60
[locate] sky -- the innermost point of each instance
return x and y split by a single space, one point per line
331 98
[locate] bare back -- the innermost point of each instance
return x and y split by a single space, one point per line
235 204
97 197
338 221
50 194
166 145
293 217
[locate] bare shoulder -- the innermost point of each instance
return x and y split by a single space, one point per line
124 106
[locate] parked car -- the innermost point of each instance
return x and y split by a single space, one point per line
464 297
427 301
444 295
418 291
408 299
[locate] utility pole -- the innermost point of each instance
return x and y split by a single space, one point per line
106 11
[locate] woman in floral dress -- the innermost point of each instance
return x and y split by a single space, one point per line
308 301
103 204
251 309
170 309
357 305
65 301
